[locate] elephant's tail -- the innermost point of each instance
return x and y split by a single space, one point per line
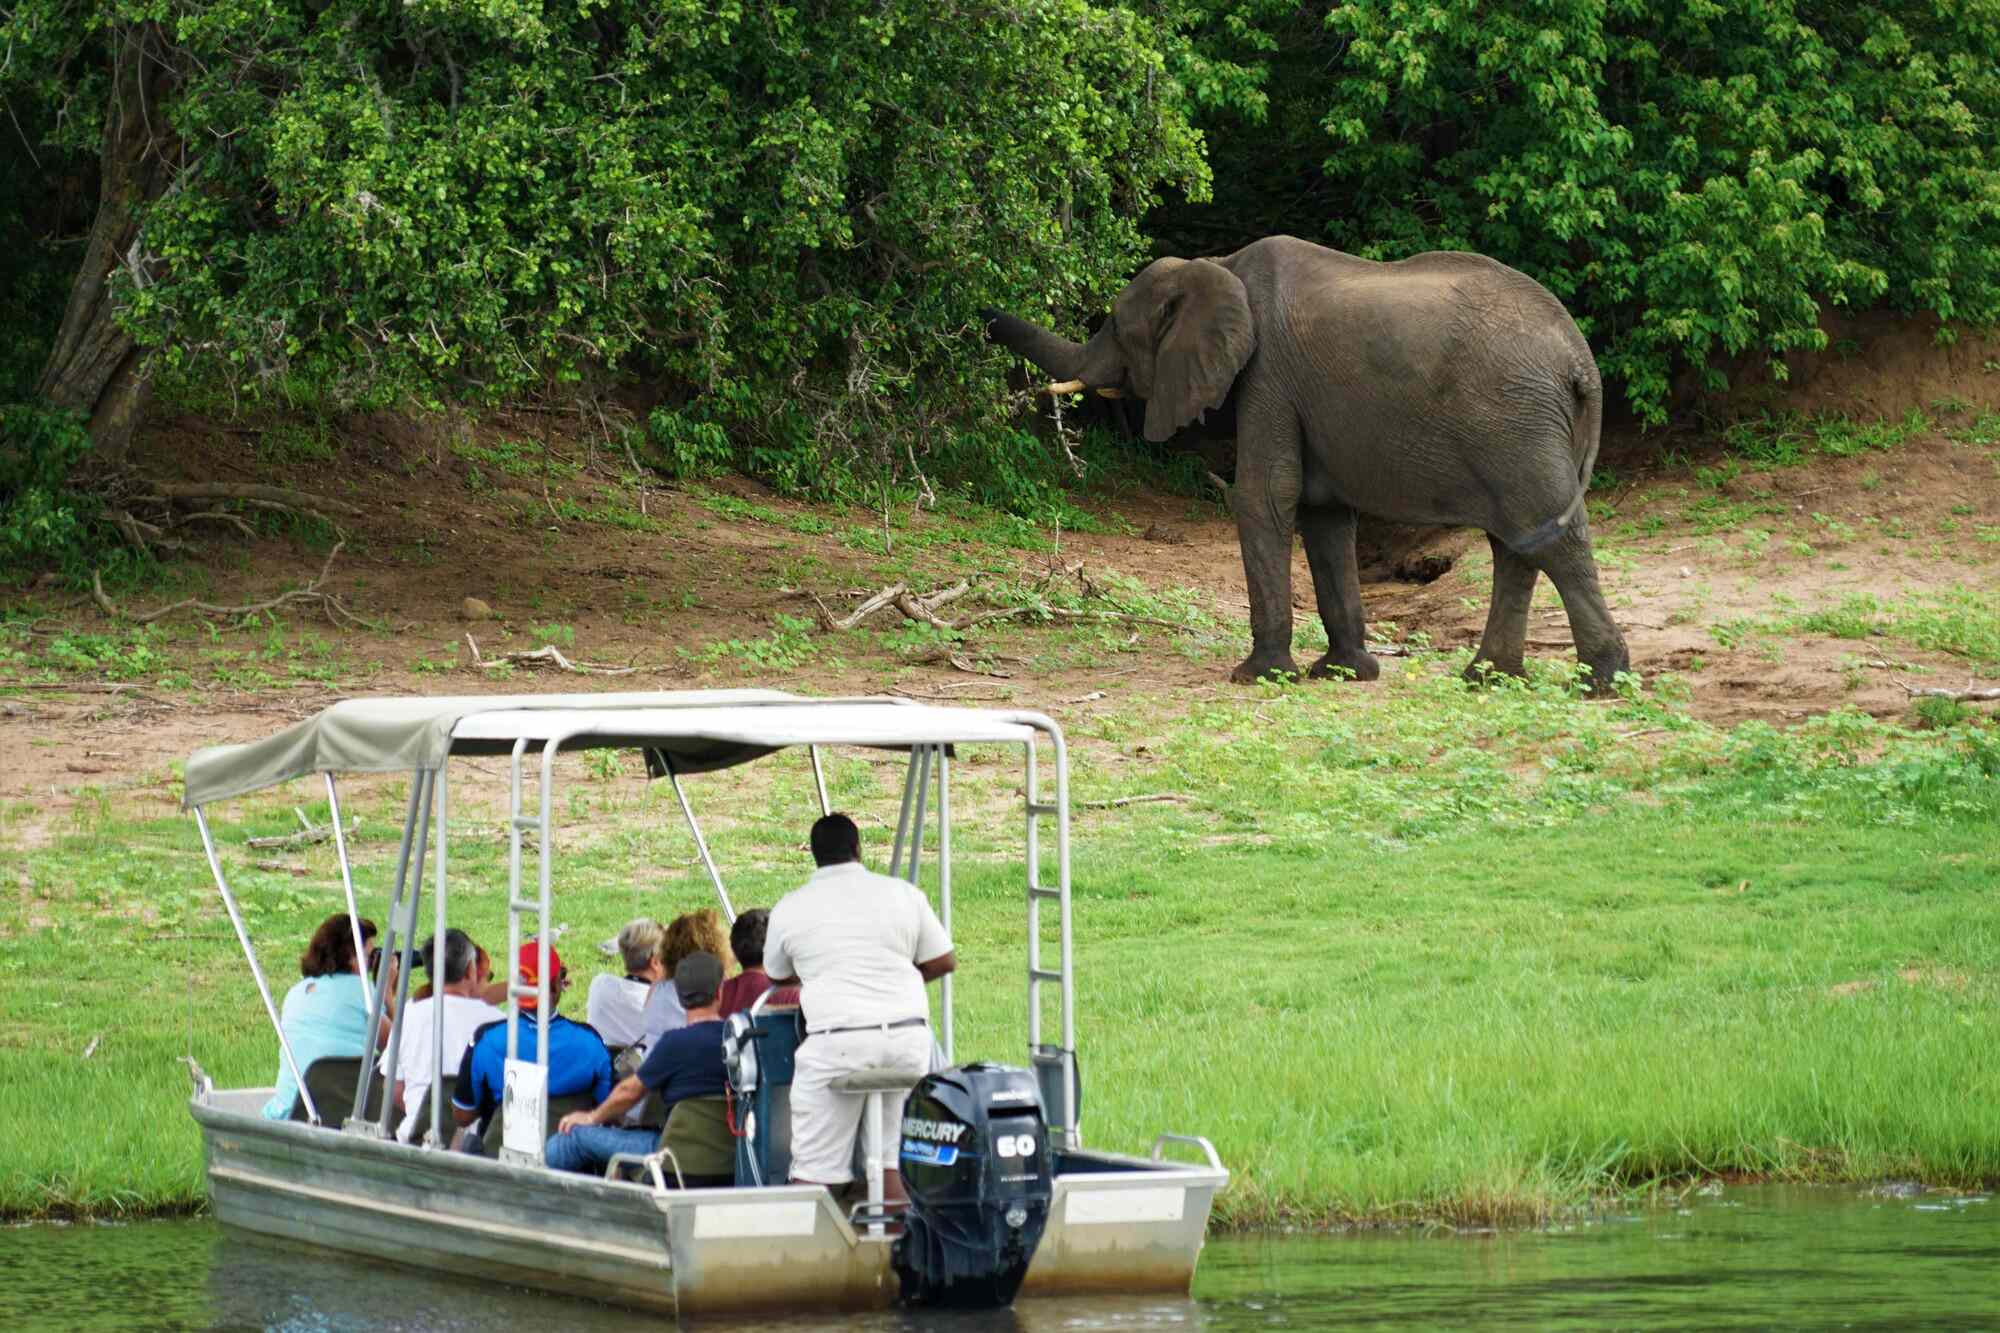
1586 433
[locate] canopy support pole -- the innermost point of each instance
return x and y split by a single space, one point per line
402 924
944 893
819 781
346 871
903 815
263 988
439 971
1063 975
701 843
380 981
919 810
1072 1132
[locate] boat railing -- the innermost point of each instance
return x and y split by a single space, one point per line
651 1161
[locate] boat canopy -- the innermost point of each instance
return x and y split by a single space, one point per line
689 731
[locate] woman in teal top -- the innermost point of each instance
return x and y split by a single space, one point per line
325 1015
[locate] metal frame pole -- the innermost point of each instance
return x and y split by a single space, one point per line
944 894
1071 1130
346 872
819 781
701 843
515 824
419 783
399 934
263 988
917 813
547 862
903 815
1034 858
439 970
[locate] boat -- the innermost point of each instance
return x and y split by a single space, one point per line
1109 1222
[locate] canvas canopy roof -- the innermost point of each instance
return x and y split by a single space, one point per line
699 730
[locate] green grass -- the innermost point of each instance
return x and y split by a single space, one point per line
1411 952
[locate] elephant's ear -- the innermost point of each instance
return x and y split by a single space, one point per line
1203 338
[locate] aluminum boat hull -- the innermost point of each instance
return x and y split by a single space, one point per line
1116 1224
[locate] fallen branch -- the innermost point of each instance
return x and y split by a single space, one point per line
860 613
1969 695
550 654
335 609
309 836
281 868
228 490
1117 801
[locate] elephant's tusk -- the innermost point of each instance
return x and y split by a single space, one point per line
1078 386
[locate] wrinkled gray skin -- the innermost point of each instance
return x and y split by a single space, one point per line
1446 388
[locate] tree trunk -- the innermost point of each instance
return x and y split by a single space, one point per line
95 367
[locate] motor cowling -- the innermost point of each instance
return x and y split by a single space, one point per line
976 1163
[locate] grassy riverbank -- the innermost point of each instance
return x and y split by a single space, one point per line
1406 953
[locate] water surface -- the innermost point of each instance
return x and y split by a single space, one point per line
1774 1256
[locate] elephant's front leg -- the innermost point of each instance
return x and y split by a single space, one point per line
1266 500
1329 535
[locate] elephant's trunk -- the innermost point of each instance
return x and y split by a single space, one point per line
1057 356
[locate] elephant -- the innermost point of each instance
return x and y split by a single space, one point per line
1445 388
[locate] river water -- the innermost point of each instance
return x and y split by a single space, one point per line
1753 1258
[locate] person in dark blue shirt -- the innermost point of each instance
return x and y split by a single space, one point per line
578 1060
682 1064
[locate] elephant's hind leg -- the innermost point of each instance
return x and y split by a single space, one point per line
1572 567
1329 537
1505 640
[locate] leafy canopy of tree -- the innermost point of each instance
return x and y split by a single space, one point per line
788 214
1694 179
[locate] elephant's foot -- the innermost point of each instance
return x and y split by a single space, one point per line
1605 669
1483 669
1346 666
1264 666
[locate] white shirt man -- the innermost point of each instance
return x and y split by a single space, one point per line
861 946
464 1014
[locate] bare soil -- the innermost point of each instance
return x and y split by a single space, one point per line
566 555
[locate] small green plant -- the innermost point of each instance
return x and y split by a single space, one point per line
555 632
1937 713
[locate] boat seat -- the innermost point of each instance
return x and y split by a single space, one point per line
331 1082
698 1134
422 1132
558 1107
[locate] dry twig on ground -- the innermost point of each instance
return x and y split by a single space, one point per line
310 835
1968 695
312 594
1118 801
547 654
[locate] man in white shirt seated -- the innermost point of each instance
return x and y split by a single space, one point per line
862 946
466 974
627 1010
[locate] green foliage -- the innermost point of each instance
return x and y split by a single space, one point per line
1693 181
44 522
789 214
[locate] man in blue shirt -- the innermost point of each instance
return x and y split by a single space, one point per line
683 1063
578 1060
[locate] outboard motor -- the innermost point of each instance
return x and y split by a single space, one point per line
976 1163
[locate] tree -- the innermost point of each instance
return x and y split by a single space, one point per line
1696 181
787 212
